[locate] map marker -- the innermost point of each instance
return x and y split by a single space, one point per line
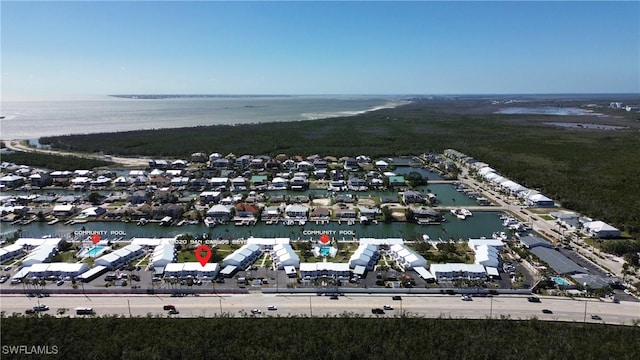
95 239
203 259
324 239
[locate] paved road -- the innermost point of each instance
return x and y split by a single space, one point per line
17 145
515 307
611 263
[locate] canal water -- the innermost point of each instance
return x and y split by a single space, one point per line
482 223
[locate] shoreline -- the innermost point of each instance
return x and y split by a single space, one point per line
389 103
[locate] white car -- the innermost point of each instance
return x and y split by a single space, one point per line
387 307
256 311
272 307
466 298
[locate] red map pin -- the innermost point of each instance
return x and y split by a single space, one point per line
95 238
324 238
203 259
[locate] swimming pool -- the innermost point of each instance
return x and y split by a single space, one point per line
560 281
325 251
94 251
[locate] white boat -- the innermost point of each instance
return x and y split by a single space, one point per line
289 222
142 222
461 216
466 212
209 222
301 222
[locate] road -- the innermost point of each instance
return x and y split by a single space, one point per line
514 307
610 263
18 145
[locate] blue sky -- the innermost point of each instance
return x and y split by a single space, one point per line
95 48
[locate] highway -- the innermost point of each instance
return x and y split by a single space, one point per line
514 307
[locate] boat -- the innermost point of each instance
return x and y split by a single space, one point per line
466 212
54 221
302 222
142 222
166 221
289 222
209 222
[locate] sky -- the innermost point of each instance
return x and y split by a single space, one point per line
215 47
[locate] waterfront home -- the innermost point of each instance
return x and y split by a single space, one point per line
538 200
238 184
138 197
158 164
221 163
41 179
396 181
63 210
350 164
423 214
412 197
278 183
11 181
357 184
208 197
40 254
296 211
93 211
101 181
345 214
10 252
320 214
369 213
58 269
219 212
381 165
270 214
178 164
299 183
258 181
218 183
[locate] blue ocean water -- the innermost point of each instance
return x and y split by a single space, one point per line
37 118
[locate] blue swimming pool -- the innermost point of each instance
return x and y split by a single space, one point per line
95 251
325 251
560 281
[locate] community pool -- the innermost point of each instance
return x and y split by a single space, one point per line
560 281
94 251
325 251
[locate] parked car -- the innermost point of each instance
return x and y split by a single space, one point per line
41 307
60 282
15 281
533 299
3 279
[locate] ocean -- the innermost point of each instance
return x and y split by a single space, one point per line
38 118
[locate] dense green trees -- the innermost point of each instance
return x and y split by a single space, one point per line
589 171
327 338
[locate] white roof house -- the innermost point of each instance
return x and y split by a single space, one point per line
243 257
40 254
452 271
328 269
10 252
539 200
496 243
162 255
59 269
120 257
600 229
487 256
365 255
406 258
284 255
194 269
